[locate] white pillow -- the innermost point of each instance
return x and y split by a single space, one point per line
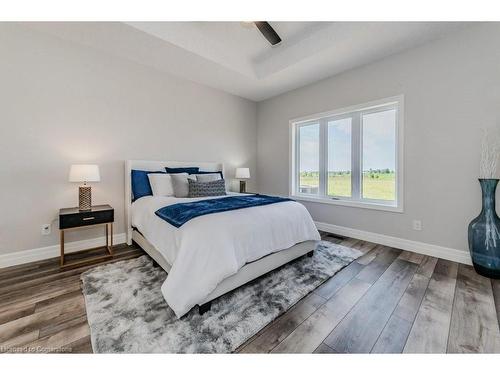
180 184
208 177
161 184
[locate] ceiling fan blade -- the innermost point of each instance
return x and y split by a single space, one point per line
266 29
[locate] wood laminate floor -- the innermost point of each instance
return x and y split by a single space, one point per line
387 301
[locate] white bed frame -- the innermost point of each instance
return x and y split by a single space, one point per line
247 273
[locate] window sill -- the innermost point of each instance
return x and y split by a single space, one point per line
339 202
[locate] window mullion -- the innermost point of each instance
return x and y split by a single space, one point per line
323 157
356 159
297 160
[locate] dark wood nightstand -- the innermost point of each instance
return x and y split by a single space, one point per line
73 218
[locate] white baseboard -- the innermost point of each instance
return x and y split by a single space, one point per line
33 255
460 256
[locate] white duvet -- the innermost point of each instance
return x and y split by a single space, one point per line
207 249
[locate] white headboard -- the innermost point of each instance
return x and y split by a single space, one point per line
155 165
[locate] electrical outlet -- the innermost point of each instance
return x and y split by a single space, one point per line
46 229
417 225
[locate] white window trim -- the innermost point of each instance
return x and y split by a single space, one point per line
398 101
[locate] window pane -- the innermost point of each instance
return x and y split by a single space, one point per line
379 155
339 157
309 159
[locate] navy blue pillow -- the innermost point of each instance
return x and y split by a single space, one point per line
219 172
188 170
140 183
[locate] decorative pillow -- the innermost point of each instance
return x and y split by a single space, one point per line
188 170
180 184
140 183
161 184
205 172
206 189
208 177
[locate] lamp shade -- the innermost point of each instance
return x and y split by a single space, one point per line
84 173
242 172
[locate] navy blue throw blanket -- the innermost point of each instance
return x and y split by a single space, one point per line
180 213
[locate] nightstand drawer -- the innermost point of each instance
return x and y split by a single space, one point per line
85 218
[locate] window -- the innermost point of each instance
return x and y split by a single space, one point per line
309 158
339 158
350 156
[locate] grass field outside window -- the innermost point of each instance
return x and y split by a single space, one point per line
378 184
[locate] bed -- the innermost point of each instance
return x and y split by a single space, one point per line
214 254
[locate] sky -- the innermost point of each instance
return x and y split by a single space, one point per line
378 143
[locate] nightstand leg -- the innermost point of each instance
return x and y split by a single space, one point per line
111 248
107 234
62 246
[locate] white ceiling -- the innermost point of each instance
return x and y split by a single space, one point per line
237 46
235 57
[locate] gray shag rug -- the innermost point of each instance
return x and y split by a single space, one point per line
127 313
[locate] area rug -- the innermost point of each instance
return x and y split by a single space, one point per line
127 313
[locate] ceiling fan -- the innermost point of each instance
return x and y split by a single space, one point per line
267 30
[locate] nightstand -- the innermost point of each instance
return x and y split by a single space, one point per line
73 218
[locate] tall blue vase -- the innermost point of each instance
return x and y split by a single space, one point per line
484 233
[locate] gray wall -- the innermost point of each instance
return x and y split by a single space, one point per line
61 103
451 88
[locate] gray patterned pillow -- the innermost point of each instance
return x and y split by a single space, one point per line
208 177
206 189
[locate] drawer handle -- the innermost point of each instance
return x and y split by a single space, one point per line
89 218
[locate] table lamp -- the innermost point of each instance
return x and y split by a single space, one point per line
84 173
242 174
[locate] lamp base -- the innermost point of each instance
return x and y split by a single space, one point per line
243 186
84 198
